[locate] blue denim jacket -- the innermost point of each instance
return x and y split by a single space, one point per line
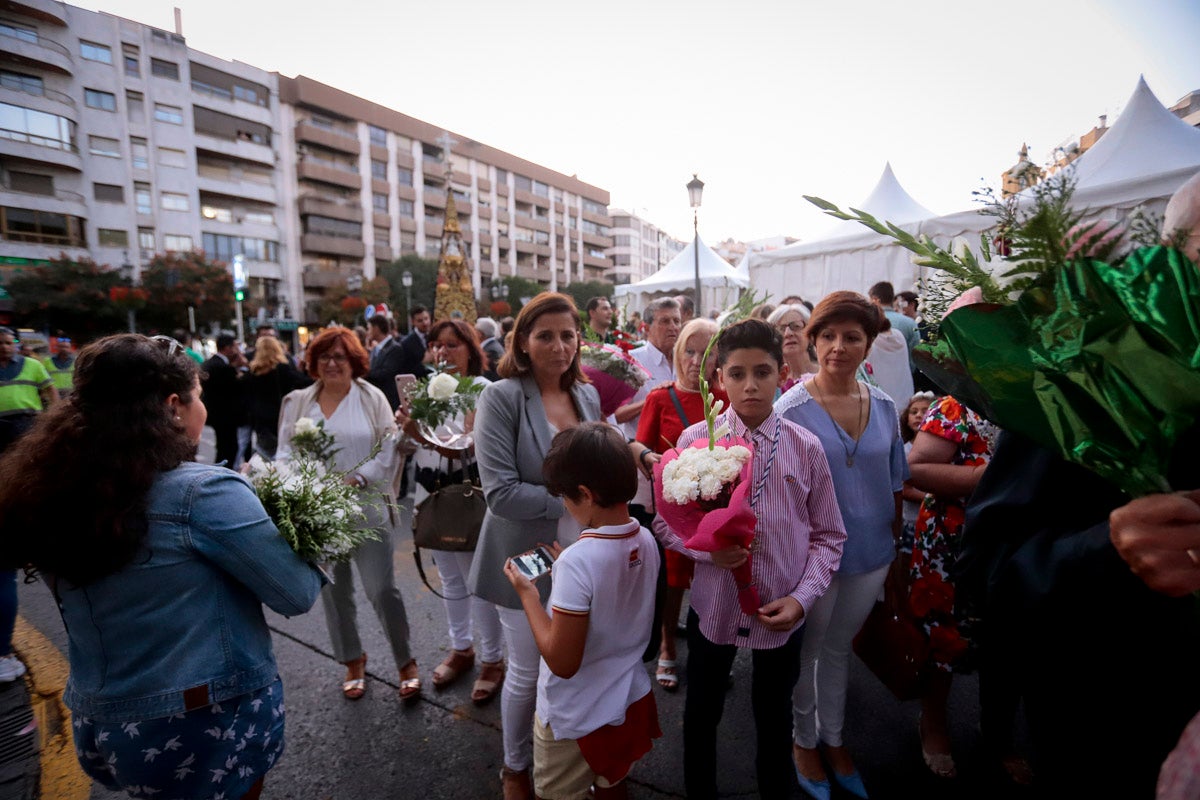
182 625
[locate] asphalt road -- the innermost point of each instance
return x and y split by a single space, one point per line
446 747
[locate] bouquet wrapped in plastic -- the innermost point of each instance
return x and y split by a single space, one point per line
616 376
435 401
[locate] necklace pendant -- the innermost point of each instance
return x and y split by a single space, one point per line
849 461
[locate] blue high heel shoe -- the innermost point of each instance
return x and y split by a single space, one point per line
852 783
818 790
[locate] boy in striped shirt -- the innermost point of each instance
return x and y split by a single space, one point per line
797 546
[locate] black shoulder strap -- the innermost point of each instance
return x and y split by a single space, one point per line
679 407
425 580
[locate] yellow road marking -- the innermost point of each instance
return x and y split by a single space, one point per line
61 776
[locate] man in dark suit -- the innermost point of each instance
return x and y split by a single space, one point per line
414 345
222 396
387 357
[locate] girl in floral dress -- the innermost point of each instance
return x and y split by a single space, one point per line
949 454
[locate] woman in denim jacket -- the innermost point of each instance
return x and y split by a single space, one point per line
160 567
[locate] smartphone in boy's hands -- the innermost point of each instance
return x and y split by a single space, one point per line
534 563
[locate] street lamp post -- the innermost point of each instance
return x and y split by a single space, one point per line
406 280
695 188
127 270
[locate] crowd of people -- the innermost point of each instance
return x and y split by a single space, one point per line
1061 593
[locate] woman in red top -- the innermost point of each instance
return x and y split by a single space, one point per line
666 414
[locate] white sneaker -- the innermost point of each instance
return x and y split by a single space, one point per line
11 668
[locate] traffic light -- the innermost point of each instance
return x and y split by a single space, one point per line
239 295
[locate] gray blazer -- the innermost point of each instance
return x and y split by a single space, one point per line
512 437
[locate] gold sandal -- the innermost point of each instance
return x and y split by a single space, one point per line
410 688
355 688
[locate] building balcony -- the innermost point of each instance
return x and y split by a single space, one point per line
235 148
264 269
503 241
502 189
435 199
593 261
40 149
502 215
316 278
408 224
380 187
62 201
326 207
485 238
597 240
433 229
461 178
311 171
205 97
383 253
404 160
432 172
33 49
522 196
331 245
343 142
381 219
48 11
406 193
485 213
524 246
231 186
48 100
378 153
541 249
599 219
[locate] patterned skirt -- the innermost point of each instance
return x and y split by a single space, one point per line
218 751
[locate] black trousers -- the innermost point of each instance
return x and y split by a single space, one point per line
227 444
774 676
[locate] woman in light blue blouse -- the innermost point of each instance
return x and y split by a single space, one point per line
858 428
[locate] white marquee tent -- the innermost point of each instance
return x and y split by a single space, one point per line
720 284
1144 157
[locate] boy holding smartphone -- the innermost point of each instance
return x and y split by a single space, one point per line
596 715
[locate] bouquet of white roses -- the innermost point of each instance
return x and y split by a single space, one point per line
315 510
434 401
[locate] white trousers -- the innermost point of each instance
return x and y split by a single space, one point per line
518 700
819 700
462 607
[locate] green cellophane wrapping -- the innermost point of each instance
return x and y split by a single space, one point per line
1102 366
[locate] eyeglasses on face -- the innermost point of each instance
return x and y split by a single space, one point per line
172 346
332 358
792 327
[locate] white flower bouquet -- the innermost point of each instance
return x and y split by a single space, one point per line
435 401
315 510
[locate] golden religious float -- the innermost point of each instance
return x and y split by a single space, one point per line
455 297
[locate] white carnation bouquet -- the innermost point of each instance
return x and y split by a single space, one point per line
315 510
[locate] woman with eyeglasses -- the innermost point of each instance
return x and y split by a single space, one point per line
790 321
455 346
668 412
360 419
160 567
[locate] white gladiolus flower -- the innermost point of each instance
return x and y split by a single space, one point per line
442 386
722 431
305 425
718 407
961 248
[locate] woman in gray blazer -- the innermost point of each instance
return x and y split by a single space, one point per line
543 391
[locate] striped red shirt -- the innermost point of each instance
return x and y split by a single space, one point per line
798 536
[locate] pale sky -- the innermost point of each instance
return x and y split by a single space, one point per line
767 100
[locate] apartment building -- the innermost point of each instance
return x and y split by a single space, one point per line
639 248
370 184
118 141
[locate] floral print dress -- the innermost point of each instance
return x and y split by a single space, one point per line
938 527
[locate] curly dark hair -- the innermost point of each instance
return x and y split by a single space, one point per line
108 443
466 337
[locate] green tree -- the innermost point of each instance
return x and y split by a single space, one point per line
581 293
73 295
177 281
424 288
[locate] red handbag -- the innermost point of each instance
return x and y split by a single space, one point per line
892 643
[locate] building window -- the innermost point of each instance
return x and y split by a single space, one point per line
103 146
259 217
404 176
541 189
95 52
146 241
169 157
141 198
433 247
379 169
176 243
379 202
41 227
36 127
18 32
105 101
164 69
171 114
593 207
248 95
521 183
133 61
224 248
174 202
135 107
29 84
502 176
216 213
108 193
139 152
377 135
328 226
110 237
405 207
31 183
